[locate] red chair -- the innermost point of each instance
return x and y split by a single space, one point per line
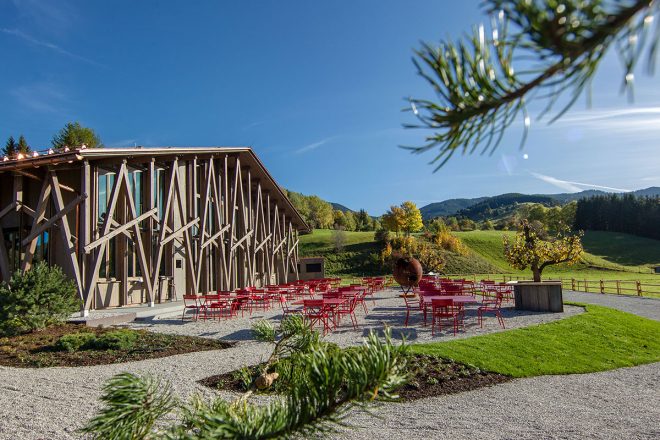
445 309
413 304
316 313
286 310
192 302
491 305
348 309
259 299
217 305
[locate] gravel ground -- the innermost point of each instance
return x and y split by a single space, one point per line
51 403
617 404
642 306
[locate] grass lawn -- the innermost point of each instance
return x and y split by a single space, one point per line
598 340
607 255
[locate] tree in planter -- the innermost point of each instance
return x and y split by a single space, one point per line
529 249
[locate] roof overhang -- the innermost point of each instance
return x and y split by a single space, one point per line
245 154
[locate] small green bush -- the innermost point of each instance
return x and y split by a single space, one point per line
36 299
122 339
75 341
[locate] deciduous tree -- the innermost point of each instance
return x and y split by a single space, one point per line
529 250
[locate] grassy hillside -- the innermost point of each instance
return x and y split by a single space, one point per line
608 255
361 255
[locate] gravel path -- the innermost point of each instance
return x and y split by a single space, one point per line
617 404
642 306
51 403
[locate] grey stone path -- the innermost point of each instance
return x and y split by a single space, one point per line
639 305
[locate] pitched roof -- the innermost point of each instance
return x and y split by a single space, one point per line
78 155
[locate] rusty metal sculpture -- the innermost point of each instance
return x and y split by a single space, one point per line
407 272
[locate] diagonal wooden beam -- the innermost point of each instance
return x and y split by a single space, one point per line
179 231
65 232
36 231
119 230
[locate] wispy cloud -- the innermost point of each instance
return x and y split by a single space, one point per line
43 97
630 120
570 186
55 48
125 143
314 146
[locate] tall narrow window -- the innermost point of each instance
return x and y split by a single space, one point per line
105 183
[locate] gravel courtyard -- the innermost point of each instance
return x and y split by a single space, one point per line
52 403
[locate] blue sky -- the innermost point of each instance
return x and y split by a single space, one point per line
316 88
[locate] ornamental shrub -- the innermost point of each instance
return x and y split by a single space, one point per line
35 299
75 341
122 339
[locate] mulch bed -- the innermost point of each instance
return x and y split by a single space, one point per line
429 376
432 376
37 349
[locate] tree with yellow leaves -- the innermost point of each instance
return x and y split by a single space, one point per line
529 249
412 217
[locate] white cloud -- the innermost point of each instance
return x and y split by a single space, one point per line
313 146
41 97
635 120
570 186
30 39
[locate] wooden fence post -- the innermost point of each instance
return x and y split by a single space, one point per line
618 287
573 284
586 285
639 288
602 286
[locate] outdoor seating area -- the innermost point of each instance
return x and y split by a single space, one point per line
323 302
329 304
446 301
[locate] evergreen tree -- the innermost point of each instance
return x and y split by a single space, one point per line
23 146
74 135
10 147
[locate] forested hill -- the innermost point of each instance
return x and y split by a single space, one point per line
475 208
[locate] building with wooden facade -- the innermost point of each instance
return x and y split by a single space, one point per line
134 225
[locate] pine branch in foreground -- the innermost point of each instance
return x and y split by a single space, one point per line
335 381
557 46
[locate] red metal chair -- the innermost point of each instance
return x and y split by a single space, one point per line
259 299
348 309
192 302
316 313
414 304
491 305
445 309
286 310
217 305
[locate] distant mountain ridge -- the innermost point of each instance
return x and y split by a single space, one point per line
473 207
340 207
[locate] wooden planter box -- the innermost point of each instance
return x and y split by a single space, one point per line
539 297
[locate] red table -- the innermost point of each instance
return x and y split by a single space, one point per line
458 299
332 304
